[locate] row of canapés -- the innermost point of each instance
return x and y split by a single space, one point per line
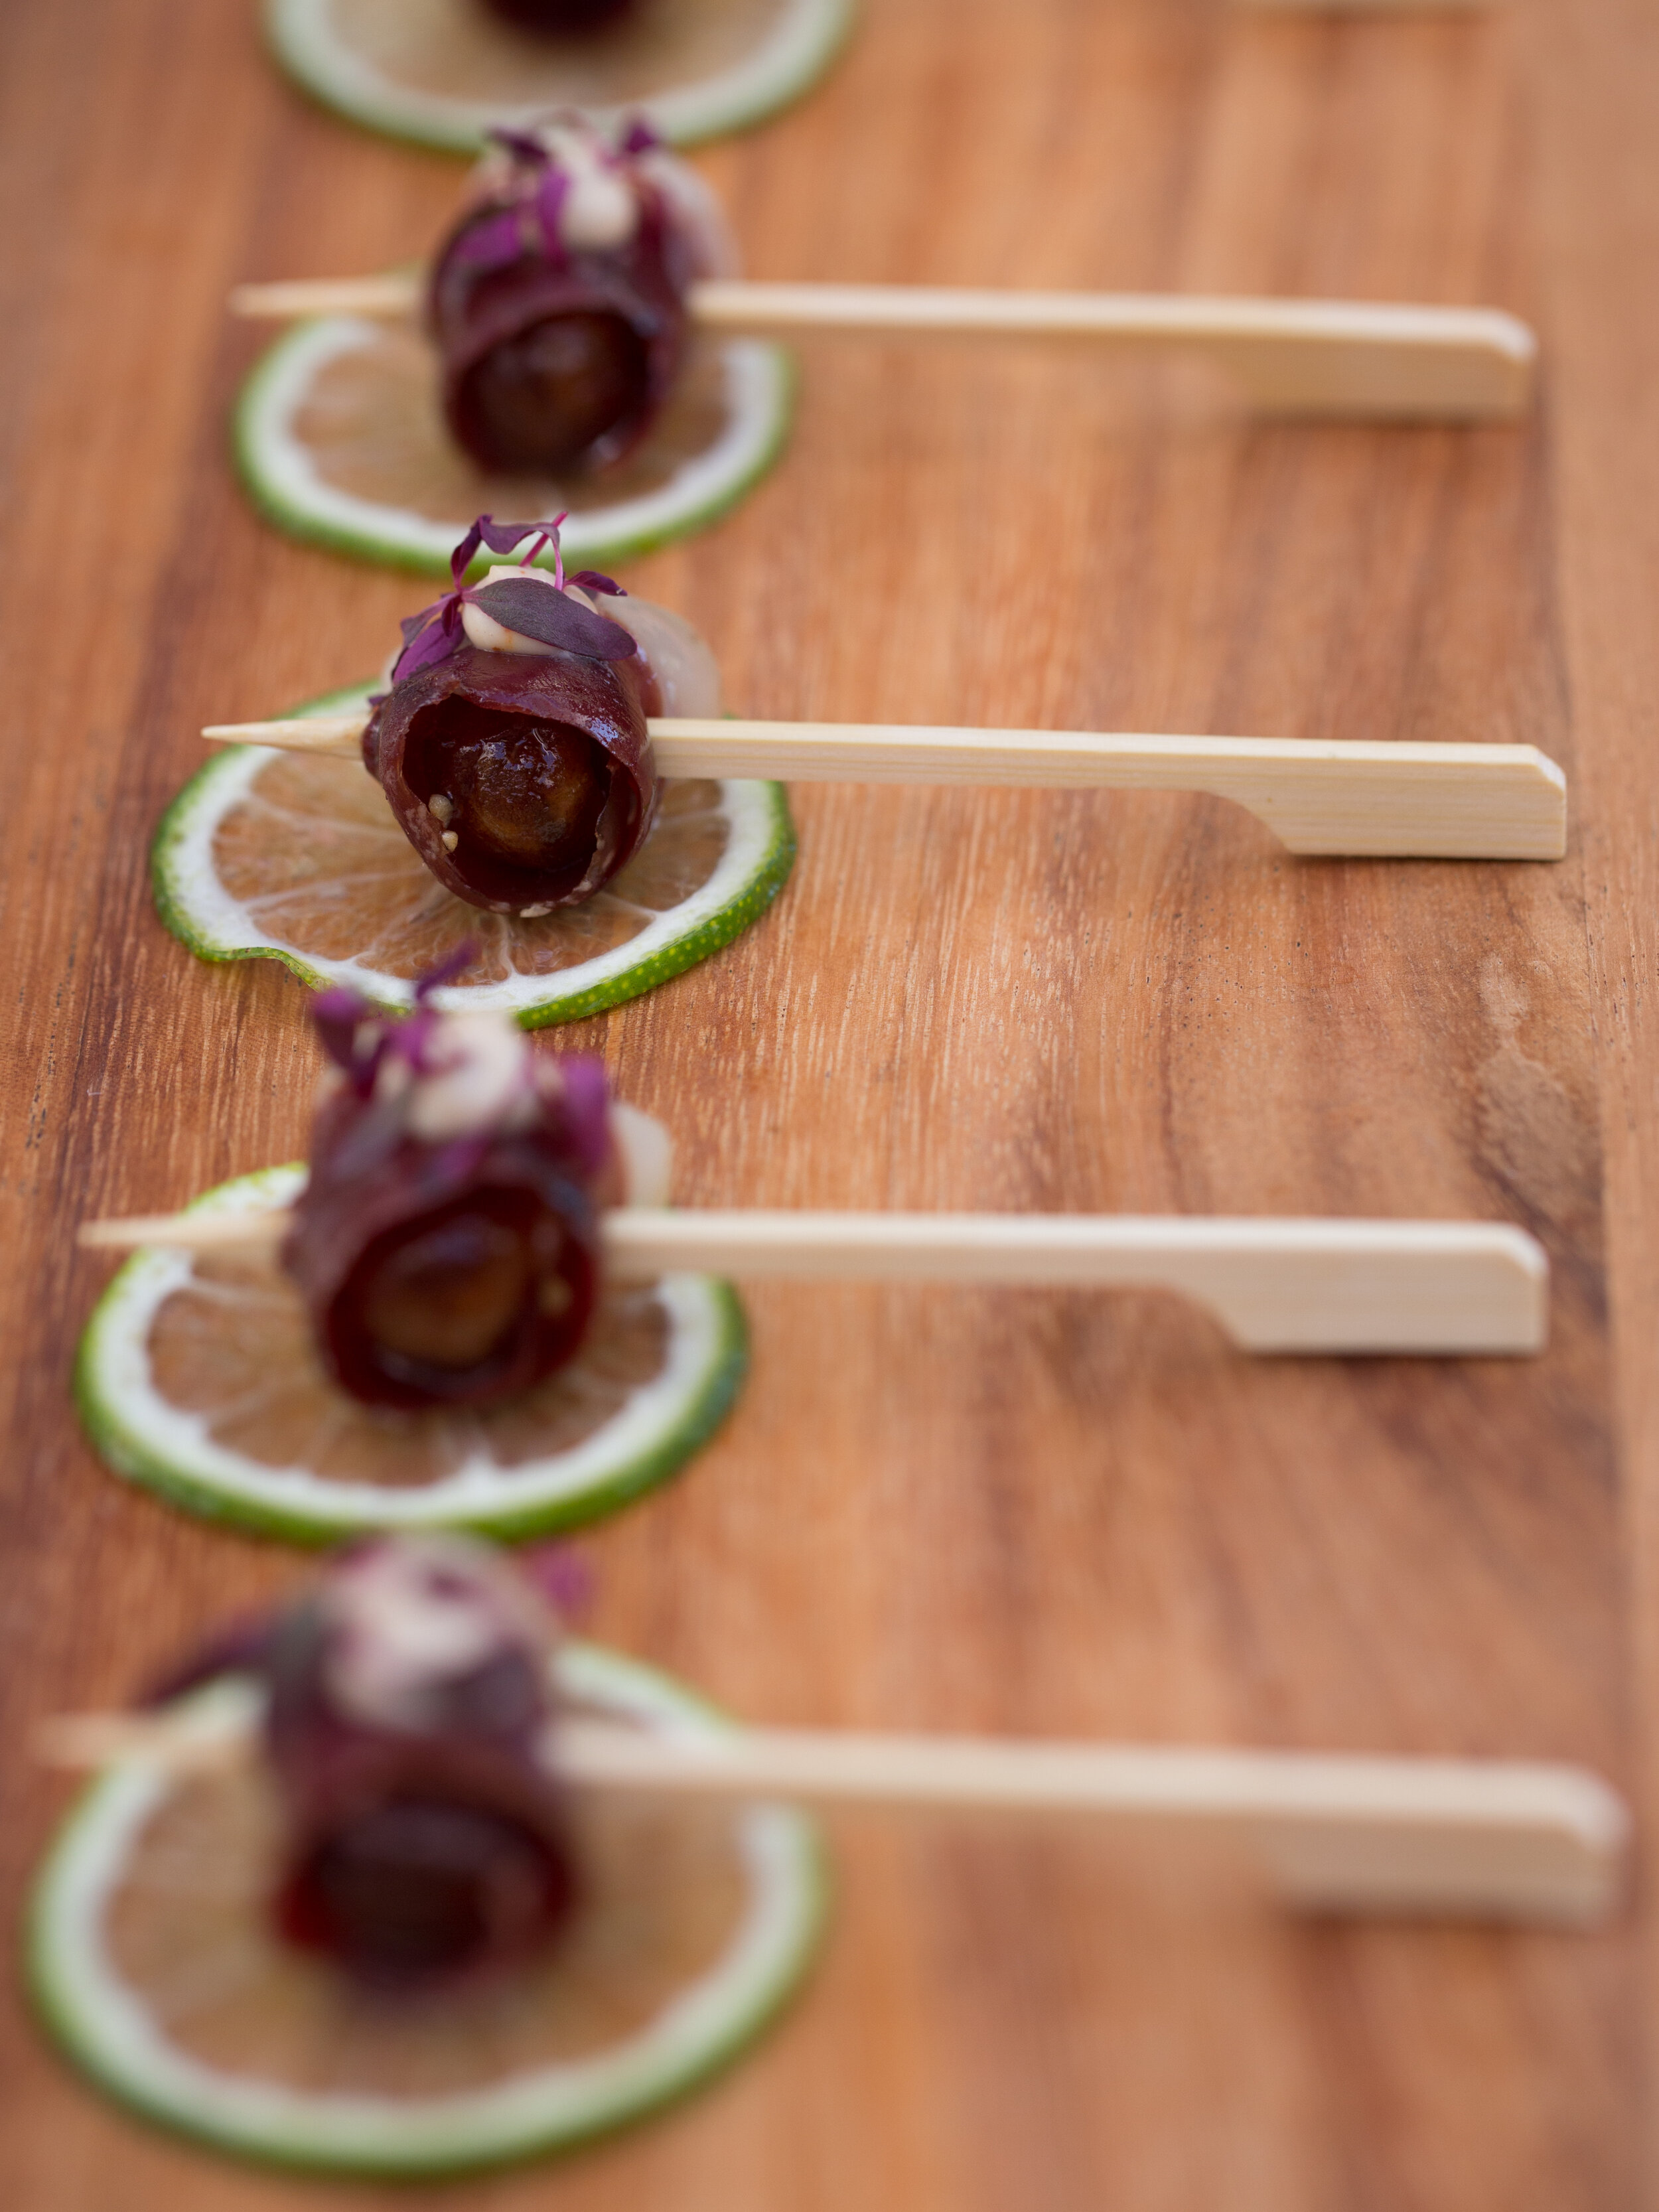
581 340
449 1318
400 1879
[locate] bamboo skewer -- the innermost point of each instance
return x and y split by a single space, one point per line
1424 801
1275 1286
1291 357
1333 1832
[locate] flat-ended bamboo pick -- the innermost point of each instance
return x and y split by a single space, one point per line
1290 357
1427 801
1275 1286
1332 1833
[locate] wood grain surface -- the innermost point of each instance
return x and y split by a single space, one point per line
1029 1512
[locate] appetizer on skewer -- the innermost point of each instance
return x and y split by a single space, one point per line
557 303
441 72
554 760
512 804
553 365
581 341
346 1840
383 1936
451 1320
436 1338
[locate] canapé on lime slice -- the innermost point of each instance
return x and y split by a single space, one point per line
152 1960
298 858
198 1376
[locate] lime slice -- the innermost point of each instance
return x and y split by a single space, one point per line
266 855
341 441
443 71
151 1962
198 1376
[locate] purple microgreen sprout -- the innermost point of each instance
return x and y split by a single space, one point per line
529 609
522 145
500 240
551 193
358 1036
452 965
586 1098
494 243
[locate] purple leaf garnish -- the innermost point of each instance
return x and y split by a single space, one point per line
453 964
502 537
590 580
436 633
494 243
541 612
520 144
586 1109
338 1014
431 636
551 195
638 138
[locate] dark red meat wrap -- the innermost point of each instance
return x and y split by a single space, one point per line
557 356
566 19
546 762
408 1702
454 1270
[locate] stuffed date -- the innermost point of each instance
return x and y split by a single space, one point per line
512 744
558 301
446 1243
406 1714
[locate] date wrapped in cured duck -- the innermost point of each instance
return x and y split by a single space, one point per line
408 1702
347 1900
558 301
513 746
406 1716
447 1244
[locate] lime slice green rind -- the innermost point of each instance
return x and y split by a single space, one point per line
148 1442
100 2026
210 924
283 484
169 885
802 49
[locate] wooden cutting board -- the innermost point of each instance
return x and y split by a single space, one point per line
1037 1513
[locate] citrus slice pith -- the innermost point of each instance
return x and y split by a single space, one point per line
443 71
152 1963
298 858
198 1376
340 441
